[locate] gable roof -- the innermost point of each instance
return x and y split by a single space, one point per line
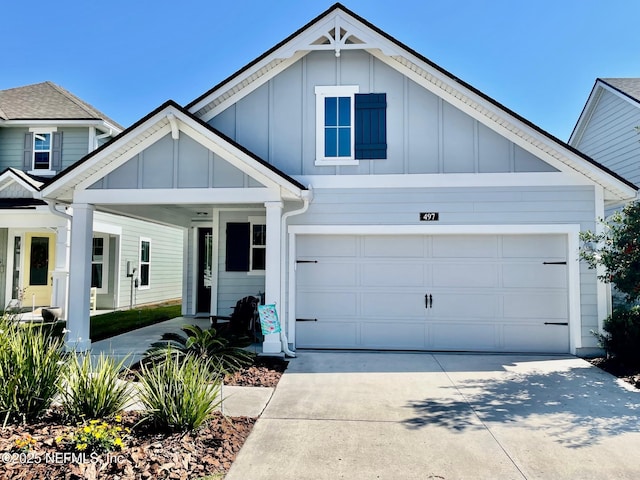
627 86
417 67
47 101
97 162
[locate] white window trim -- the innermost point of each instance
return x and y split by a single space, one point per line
255 221
140 263
334 91
41 171
105 262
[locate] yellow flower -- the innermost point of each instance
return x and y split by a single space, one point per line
118 418
94 422
118 442
81 446
87 429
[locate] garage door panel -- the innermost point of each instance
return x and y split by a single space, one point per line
323 334
464 246
394 247
327 273
393 274
535 305
534 275
533 246
326 304
536 338
471 305
393 334
464 276
463 336
398 304
327 246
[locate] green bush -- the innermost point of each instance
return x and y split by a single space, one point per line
31 360
91 389
178 393
223 351
622 337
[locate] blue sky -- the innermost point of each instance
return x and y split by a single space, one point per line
540 58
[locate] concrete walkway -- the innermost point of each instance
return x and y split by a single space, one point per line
361 415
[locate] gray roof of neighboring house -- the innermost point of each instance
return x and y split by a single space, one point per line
629 86
47 101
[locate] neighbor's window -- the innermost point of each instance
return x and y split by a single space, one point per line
99 263
145 263
42 151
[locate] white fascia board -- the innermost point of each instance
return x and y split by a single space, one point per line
10 177
471 229
586 114
173 196
444 180
56 123
506 125
109 228
30 219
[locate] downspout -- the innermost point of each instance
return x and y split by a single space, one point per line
307 197
100 137
55 211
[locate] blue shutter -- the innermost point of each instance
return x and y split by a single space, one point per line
371 126
56 152
28 152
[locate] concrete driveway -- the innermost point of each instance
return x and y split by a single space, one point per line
370 415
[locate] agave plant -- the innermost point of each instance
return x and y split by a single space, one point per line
222 351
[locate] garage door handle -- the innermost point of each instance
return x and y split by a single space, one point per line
556 323
306 319
428 300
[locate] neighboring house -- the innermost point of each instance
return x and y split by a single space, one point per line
45 130
607 129
377 200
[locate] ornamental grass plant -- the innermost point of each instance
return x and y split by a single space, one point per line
31 360
178 392
90 387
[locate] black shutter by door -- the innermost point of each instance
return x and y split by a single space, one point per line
238 244
371 126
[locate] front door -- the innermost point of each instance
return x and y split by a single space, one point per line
205 269
39 262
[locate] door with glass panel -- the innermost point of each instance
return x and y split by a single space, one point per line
39 263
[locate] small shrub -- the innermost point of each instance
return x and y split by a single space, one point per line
90 388
31 361
224 351
622 336
178 393
96 436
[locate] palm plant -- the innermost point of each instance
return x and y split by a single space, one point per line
222 351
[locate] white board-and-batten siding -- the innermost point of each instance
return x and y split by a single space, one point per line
425 134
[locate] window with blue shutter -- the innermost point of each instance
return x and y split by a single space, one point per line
349 126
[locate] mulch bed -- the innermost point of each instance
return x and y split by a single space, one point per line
148 454
611 365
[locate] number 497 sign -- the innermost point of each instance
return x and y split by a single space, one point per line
429 216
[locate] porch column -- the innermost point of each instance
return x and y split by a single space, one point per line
271 342
80 277
61 272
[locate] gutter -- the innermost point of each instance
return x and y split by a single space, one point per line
307 198
52 208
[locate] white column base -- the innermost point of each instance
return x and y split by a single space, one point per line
271 343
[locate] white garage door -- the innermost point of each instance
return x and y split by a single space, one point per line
443 292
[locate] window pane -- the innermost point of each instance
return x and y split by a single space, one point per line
330 142
39 264
144 251
330 111
98 249
344 142
144 275
259 235
42 141
96 275
258 258
344 111
41 160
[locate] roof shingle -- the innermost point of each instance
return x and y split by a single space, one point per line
628 86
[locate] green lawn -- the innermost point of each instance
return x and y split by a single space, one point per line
114 323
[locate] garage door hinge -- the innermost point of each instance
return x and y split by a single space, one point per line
306 261
554 263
